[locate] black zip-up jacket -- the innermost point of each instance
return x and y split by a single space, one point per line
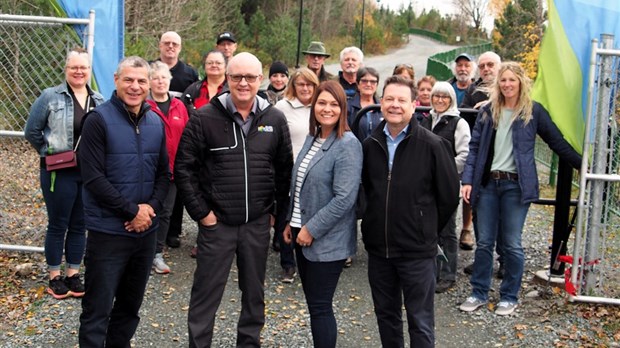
237 176
408 205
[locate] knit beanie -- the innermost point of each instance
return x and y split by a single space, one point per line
278 67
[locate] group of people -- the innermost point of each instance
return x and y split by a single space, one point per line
304 156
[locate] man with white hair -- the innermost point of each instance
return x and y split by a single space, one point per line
478 93
351 60
183 75
464 71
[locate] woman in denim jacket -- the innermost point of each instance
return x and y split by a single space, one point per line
500 181
53 126
324 187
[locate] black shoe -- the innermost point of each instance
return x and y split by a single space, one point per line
57 288
288 275
173 242
469 269
275 246
75 286
500 272
443 286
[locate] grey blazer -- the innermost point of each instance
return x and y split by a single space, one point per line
327 197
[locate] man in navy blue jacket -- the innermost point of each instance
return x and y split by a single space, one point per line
124 166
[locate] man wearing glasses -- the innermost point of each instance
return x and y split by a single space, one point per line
477 93
234 161
183 75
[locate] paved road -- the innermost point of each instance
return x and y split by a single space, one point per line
416 52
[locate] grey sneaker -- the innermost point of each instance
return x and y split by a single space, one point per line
505 308
159 265
471 304
288 275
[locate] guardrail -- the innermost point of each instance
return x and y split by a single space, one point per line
439 65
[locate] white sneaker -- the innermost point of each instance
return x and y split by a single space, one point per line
505 308
159 265
471 304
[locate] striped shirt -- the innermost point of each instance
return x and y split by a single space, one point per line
299 179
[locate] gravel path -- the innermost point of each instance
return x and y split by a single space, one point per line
543 319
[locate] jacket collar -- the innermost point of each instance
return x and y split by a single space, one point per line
220 102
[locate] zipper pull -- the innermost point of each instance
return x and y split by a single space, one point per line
389 175
137 130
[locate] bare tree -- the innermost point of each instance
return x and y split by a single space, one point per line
475 10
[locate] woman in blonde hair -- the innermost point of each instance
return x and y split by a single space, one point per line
54 126
500 180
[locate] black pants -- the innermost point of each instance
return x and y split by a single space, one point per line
390 281
176 218
319 281
217 246
117 270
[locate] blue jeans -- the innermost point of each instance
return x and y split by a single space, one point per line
117 270
65 214
319 281
287 259
499 213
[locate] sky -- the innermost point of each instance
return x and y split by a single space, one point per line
443 6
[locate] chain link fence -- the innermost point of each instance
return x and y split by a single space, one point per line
32 54
595 273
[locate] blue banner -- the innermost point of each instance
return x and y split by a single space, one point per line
109 37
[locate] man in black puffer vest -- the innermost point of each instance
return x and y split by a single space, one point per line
124 164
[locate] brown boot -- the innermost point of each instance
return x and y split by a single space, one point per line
467 240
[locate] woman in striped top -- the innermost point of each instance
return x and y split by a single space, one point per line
322 223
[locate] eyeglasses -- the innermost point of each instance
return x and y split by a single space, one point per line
490 65
76 68
248 78
304 85
439 96
370 82
214 63
168 43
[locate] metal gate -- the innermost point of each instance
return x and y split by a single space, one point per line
32 54
595 271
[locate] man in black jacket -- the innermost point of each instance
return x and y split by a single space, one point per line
412 189
234 158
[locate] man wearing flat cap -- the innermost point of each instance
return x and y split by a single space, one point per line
227 44
315 57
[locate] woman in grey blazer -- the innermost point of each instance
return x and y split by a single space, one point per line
322 223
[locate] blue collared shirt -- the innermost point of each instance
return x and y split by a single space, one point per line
392 143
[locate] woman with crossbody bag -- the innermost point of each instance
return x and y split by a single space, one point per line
53 129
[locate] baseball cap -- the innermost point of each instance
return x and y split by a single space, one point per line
226 36
464 55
